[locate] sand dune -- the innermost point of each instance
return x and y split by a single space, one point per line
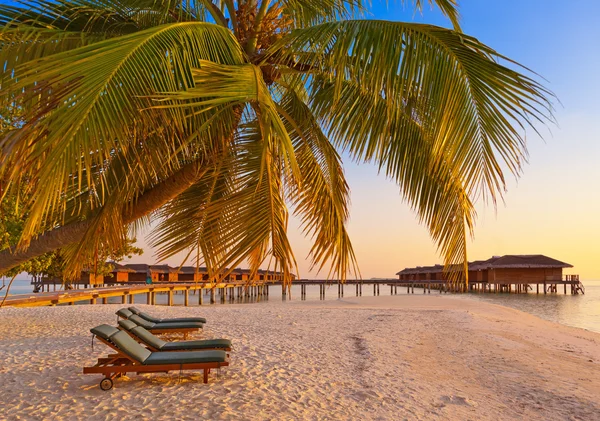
369 358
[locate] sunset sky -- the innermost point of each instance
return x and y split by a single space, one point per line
554 208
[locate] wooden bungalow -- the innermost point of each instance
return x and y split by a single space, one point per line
138 274
188 274
501 273
91 279
422 273
119 274
164 273
518 269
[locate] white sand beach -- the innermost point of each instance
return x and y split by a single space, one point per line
369 358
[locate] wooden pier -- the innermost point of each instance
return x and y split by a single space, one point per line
222 291
241 290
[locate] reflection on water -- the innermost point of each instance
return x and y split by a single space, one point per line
574 310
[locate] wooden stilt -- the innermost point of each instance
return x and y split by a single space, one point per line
124 298
170 297
186 297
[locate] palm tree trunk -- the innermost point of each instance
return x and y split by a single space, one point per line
74 232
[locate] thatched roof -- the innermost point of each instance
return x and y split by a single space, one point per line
422 269
192 269
509 261
163 269
138 267
523 261
120 268
143 268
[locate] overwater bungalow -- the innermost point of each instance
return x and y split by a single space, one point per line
189 274
164 273
500 273
139 272
119 274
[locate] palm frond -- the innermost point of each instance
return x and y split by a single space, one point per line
322 198
435 188
469 107
448 7
219 84
234 211
94 105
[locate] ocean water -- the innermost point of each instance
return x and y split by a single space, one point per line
581 311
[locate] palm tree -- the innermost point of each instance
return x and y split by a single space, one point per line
219 118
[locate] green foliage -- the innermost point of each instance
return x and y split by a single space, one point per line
118 96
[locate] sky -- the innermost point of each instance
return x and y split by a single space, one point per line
554 207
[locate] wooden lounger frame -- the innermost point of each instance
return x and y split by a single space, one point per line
153 349
116 365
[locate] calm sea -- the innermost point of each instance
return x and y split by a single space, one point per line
573 310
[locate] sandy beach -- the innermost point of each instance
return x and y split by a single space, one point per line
369 358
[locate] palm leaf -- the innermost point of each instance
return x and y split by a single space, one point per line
105 96
322 198
469 107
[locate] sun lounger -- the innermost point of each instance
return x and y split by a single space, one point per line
152 319
154 343
131 357
158 328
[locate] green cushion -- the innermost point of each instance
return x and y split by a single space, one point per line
134 310
185 357
124 313
148 338
104 331
141 322
127 324
153 319
178 325
184 319
130 347
148 317
191 345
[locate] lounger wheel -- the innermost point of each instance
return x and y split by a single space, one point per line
106 384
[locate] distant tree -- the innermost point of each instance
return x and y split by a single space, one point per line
13 216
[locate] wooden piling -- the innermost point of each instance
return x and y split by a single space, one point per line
186 298
170 298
